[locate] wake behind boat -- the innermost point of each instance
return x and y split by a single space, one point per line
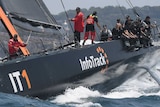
51 70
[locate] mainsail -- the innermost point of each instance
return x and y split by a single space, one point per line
32 17
29 14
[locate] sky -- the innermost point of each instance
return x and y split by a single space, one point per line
56 7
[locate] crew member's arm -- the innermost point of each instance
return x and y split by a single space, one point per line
22 44
72 19
98 26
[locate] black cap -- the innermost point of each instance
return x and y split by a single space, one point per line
15 36
147 17
94 13
118 20
78 8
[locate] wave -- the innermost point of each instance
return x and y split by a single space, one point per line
12 100
142 83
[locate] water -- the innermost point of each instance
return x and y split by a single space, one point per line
84 97
141 90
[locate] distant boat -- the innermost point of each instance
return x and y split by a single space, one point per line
51 71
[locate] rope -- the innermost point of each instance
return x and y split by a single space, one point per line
67 15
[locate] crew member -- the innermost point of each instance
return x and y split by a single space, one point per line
14 46
148 24
119 29
90 29
148 27
78 25
106 34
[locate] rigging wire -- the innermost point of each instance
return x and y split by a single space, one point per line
51 21
134 10
29 37
121 9
67 15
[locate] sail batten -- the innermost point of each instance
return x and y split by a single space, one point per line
35 22
33 12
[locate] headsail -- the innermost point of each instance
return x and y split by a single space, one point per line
29 14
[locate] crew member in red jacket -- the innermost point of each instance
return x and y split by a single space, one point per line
78 25
14 46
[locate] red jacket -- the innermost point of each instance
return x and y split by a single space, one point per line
79 22
13 46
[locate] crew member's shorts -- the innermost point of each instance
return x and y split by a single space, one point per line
90 27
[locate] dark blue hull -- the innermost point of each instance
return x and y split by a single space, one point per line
44 75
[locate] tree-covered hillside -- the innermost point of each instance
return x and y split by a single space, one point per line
109 14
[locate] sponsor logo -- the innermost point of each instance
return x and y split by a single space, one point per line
90 62
16 80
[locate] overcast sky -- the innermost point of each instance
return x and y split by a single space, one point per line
55 6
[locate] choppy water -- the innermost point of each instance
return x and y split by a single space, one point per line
141 90
84 97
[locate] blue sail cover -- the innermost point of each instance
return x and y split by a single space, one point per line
29 14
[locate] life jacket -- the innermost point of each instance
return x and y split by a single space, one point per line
90 19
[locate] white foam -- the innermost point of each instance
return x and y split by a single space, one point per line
141 84
87 104
77 95
126 94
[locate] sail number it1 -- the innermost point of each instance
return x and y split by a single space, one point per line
15 78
